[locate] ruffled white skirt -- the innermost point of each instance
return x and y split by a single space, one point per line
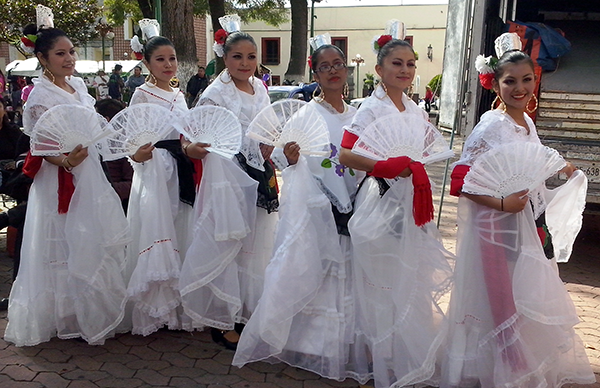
223 272
160 225
400 272
305 317
70 282
511 318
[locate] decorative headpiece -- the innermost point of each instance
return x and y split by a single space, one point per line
150 28
230 24
44 19
394 29
486 66
316 42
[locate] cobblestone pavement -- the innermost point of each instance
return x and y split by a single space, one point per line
181 359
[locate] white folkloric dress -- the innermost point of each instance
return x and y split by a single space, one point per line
160 225
400 272
223 273
70 283
305 317
511 318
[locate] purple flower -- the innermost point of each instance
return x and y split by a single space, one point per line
334 150
340 169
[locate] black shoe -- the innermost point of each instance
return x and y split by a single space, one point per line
218 336
239 327
3 304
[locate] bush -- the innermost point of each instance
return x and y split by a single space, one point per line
436 85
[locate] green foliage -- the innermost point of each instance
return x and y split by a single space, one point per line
369 82
118 10
436 85
75 17
272 12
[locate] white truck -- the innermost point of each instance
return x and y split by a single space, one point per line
568 116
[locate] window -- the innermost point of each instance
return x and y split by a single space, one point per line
409 39
342 43
271 51
275 80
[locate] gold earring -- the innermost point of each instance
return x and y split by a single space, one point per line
501 102
174 82
151 79
384 89
46 72
346 91
530 111
225 71
318 97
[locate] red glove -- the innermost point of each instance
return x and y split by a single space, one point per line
390 168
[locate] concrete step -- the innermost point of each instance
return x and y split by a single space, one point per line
593 106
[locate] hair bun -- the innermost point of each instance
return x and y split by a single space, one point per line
30 29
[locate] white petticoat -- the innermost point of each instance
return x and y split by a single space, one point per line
70 282
223 272
400 272
305 316
522 334
160 224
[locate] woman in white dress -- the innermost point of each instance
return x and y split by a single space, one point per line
160 205
310 272
400 266
511 318
70 283
221 289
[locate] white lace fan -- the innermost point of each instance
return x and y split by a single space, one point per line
291 120
214 125
512 167
137 125
63 127
403 134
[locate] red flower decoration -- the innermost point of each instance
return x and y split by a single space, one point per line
221 36
138 56
310 62
486 80
383 39
27 42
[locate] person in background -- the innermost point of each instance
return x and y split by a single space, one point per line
101 85
26 90
135 80
119 172
115 83
428 98
196 85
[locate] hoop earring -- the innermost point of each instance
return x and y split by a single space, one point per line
151 80
501 102
345 91
318 97
225 71
46 72
174 82
530 111
384 89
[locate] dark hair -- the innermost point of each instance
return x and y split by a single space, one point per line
4 118
137 67
153 44
118 67
511 56
315 56
389 46
109 107
46 38
236 37
201 67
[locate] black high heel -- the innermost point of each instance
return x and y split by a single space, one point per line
218 336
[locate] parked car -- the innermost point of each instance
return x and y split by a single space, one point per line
300 92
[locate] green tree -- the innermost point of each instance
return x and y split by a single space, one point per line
436 85
75 17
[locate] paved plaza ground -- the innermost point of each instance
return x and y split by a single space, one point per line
181 359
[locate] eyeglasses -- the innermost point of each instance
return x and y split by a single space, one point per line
327 68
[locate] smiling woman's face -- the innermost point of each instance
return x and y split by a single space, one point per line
61 58
241 60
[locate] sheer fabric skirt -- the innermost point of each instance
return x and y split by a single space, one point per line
400 272
511 318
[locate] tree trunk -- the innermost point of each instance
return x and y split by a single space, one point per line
297 64
217 10
147 8
178 26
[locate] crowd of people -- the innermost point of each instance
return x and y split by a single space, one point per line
339 274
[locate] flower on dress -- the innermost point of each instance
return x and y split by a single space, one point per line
340 169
